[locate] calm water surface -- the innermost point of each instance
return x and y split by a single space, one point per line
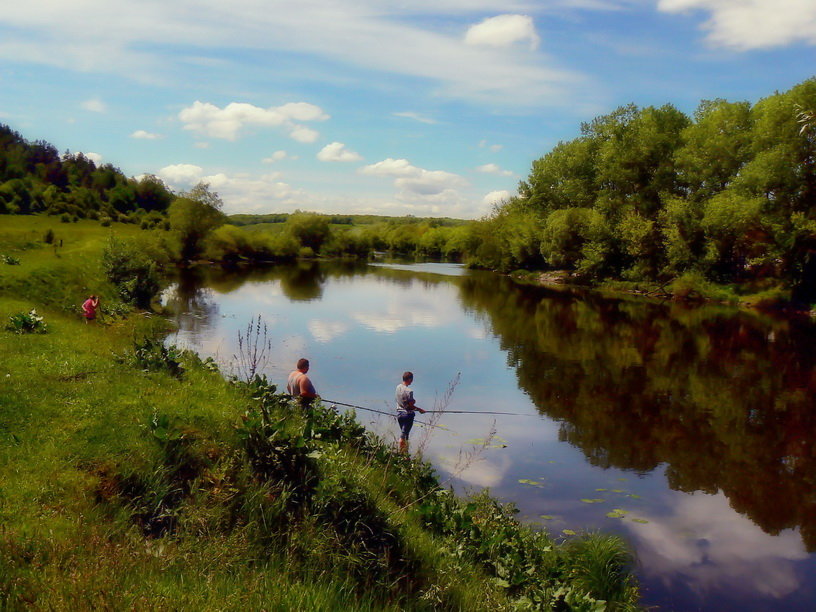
693 427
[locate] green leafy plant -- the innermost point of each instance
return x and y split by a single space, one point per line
10 260
152 355
27 323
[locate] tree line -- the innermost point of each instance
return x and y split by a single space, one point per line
651 194
35 178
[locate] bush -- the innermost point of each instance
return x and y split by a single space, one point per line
9 260
48 237
132 272
151 355
27 323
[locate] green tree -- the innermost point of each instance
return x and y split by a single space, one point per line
193 216
309 229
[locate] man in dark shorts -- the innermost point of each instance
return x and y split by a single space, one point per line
406 409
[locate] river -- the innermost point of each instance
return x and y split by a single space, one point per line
687 430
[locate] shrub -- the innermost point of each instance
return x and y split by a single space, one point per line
132 272
48 237
9 260
152 355
27 323
105 221
65 218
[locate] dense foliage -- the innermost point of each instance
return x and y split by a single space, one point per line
34 178
649 194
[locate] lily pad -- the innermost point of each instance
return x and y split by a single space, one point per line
633 496
527 481
614 514
600 490
593 501
618 491
639 520
547 517
568 532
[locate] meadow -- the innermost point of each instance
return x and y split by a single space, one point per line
136 475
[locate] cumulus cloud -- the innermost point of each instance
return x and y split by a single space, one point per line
184 175
726 550
276 157
94 157
337 152
94 105
144 135
414 181
493 169
228 122
503 31
415 117
496 197
752 24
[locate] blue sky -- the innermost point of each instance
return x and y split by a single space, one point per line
431 108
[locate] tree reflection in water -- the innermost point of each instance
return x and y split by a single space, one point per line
723 398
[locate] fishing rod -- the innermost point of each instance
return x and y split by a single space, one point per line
381 412
437 411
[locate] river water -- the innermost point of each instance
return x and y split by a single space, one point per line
688 431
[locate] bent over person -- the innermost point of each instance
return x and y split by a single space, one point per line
298 385
406 409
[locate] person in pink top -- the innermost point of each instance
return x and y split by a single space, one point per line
89 308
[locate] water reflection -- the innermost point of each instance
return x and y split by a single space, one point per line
701 390
697 422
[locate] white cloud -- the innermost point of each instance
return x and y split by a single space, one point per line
483 144
94 105
144 135
276 157
417 182
705 545
202 145
337 152
415 117
226 123
96 158
126 38
503 31
181 175
326 331
496 197
752 24
493 169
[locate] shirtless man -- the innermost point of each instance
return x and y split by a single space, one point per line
299 386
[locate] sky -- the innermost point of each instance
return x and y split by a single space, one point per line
429 108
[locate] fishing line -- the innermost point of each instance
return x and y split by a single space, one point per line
381 412
435 411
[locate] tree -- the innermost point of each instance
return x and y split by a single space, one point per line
309 229
193 216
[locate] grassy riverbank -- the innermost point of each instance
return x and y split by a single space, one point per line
136 477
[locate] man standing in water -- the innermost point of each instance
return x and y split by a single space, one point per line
406 409
299 386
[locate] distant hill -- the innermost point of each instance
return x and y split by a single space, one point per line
35 178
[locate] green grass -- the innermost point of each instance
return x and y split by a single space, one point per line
127 484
